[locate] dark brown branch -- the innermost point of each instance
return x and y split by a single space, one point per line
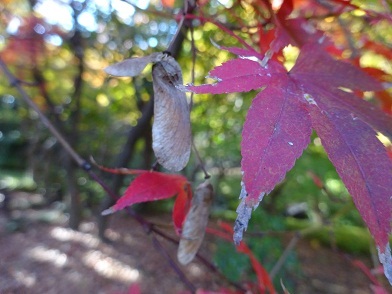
73 131
77 48
15 83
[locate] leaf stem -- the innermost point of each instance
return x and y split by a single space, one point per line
201 163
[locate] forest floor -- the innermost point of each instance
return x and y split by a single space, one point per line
47 257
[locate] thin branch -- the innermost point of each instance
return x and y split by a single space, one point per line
15 83
221 27
28 84
171 48
183 26
193 46
285 254
201 163
201 258
174 266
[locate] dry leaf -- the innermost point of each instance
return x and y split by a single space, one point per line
171 131
195 223
133 66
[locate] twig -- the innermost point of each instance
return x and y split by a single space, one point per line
221 27
179 272
15 83
206 174
28 84
201 258
285 254
171 48
193 46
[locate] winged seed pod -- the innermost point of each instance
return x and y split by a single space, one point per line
134 66
195 223
171 130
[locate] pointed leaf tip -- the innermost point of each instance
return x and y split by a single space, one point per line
133 66
241 223
108 211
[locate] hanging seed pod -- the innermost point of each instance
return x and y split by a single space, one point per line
195 223
171 131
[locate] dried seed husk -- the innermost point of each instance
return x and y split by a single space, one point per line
195 223
171 131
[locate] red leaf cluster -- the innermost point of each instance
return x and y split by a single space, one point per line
152 186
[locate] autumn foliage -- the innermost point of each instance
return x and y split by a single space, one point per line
325 91
321 92
152 186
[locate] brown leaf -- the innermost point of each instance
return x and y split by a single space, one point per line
195 223
133 66
171 131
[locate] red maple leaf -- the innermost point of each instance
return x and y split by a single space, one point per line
280 120
152 186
